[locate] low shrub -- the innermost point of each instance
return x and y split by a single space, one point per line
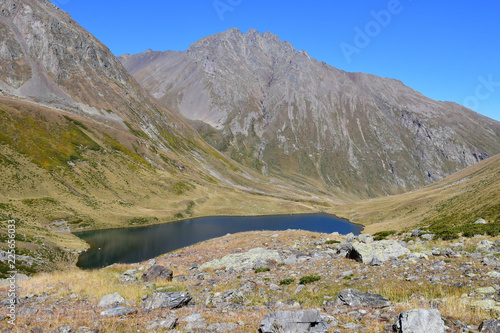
262 269
288 281
383 234
309 279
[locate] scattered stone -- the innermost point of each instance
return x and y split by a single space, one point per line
383 250
64 329
352 326
300 287
375 262
416 232
111 300
490 326
418 321
274 287
450 253
33 330
355 298
168 324
27 311
484 246
193 322
481 221
118 311
494 274
427 237
365 238
171 300
487 305
129 276
157 272
223 327
292 259
294 322
255 258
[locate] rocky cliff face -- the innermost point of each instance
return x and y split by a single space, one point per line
46 57
284 113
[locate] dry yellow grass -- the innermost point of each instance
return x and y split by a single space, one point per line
465 196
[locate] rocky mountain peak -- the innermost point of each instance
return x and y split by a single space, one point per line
285 113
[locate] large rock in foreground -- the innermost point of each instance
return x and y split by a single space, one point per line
382 250
254 258
171 300
418 321
293 322
111 300
118 311
355 298
157 272
490 326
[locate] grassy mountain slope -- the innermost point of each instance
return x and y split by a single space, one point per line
451 205
82 145
60 172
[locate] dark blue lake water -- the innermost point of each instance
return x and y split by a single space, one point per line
131 245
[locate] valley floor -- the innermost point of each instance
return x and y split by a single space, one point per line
458 278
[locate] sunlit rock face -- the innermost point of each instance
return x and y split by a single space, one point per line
285 113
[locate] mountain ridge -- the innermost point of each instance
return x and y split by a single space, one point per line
83 146
284 113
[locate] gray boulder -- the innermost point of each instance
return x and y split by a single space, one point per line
157 272
344 249
383 250
64 329
129 276
365 238
168 323
485 246
193 322
238 262
294 322
490 326
111 300
418 321
356 298
118 311
481 221
171 300
427 237
223 327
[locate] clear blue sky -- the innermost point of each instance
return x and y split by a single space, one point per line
446 50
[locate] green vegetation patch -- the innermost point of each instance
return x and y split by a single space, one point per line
288 281
142 220
182 187
309 279
137 133
47 144
115 145
262 269
383 234
39 201
448 232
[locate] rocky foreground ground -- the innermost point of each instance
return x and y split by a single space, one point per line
290 281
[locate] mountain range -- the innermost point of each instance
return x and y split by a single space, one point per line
276 109
238 124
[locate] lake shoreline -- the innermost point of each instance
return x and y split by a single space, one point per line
148 241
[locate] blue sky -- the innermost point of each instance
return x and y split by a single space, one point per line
446 50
